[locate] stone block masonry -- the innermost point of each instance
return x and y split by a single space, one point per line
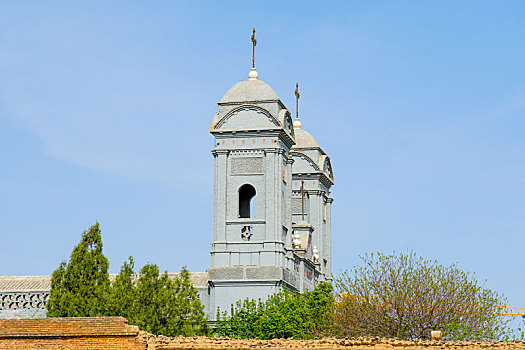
203 343
93 333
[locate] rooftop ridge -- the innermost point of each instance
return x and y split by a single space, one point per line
41 283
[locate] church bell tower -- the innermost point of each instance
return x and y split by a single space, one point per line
256 249
251 250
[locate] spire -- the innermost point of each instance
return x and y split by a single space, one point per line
254 43
253 73
297 123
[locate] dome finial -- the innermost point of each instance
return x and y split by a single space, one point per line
253 73
297 123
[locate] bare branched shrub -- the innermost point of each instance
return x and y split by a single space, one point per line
405 296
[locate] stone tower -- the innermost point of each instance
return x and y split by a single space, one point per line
312 171
256 249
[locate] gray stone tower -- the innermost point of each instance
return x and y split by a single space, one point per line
256 249
312 171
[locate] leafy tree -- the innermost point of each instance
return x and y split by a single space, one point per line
283 315
80 287
165 306
406 296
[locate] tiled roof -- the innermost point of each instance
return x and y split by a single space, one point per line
25 283
43 283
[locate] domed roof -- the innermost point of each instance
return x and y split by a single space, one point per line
249 90
303 139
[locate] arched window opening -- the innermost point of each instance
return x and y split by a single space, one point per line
246 201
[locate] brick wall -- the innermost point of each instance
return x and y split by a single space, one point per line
93 333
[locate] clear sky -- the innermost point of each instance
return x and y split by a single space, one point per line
105 108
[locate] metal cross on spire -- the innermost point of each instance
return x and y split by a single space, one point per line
254 43
303 193
297 101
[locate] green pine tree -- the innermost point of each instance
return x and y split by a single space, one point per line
123 292
168 307
190 315
151 300
81 286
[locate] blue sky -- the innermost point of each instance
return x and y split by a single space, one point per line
105 110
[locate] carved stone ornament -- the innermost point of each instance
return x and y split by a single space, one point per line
23 300
296 240
316 254
246 233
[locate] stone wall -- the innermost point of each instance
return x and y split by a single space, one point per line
23 304
204 343
97 333
93 333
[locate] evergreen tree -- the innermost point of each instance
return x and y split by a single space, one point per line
150 300
165 306
154 302
191 319
123 291
80 287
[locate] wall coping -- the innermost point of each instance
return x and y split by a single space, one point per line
67 327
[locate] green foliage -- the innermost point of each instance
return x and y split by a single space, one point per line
81 286
192 319
405 296
155 302
123 292
519 333
283 315
158 304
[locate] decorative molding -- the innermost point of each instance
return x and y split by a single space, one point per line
320 176
286 120
216 152
246 107
247 166
246 221
297 206
297 193
245 102
259 133
247 152
327 166
246 233
307 158
23 300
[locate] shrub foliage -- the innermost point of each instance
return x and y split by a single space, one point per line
283 315
406 296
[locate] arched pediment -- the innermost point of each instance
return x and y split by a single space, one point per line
286 120
247 117
326 166
303 163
